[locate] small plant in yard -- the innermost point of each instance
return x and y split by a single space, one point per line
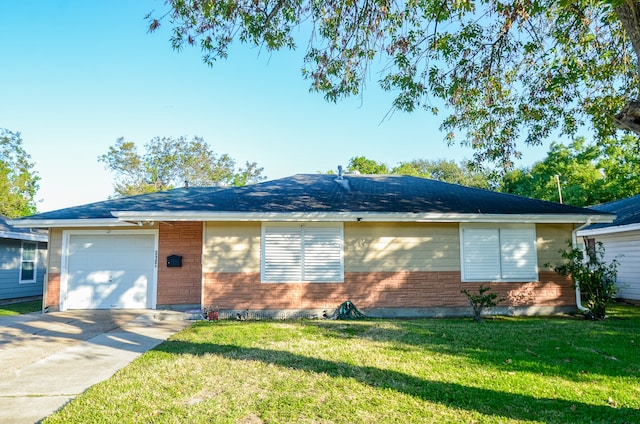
211 313
595 278
481 300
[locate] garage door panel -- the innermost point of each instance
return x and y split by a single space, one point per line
112 271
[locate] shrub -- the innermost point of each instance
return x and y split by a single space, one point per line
481 300
595 278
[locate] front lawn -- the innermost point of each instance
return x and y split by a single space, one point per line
21 308
505 370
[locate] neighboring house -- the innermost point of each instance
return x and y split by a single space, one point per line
393 245
621 241
23 257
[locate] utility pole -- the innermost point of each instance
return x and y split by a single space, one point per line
559 189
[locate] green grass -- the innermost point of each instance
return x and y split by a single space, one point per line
21 308
505 370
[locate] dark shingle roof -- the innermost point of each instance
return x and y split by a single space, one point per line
627 212
161 200
325 193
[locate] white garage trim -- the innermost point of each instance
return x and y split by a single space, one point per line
151 283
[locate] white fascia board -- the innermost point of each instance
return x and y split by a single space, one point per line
609 230
24 236
135 217
56 223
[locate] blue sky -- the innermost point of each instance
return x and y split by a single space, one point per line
78 74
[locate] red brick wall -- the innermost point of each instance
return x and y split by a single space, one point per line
379 290
180 285
53 290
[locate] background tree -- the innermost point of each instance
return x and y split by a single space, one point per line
589 173
620 164
170 162
367 166
446 171
506 70
18 179
441 170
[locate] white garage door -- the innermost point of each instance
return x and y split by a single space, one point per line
114 271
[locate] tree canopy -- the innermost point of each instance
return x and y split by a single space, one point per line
18 179
440 169
446 171
173 162
364 165
505 70
587 173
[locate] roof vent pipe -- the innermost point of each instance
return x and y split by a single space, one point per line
343 182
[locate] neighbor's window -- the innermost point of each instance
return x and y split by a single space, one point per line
28 262
498 253
310 252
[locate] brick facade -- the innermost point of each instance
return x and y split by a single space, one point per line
379 290
180 285
53 290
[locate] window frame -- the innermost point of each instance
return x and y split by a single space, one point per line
502 252
33 261
305 254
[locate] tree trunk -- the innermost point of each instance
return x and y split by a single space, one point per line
628 12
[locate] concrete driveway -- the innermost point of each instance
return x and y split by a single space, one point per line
48 359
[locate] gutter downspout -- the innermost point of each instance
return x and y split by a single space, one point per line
45 290
45 278
574 244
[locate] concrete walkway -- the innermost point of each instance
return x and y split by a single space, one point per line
46 360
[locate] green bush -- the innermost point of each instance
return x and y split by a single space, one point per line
595 278
481 300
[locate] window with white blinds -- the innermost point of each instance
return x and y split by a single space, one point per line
302 253
498 253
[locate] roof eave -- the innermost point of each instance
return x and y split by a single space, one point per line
137 217
24 236
609 230
55 223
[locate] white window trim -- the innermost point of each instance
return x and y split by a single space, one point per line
35 262
535 271
301 227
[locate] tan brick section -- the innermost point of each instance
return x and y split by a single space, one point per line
379 290
180 285
53 290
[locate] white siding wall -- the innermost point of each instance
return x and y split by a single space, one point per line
625 247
